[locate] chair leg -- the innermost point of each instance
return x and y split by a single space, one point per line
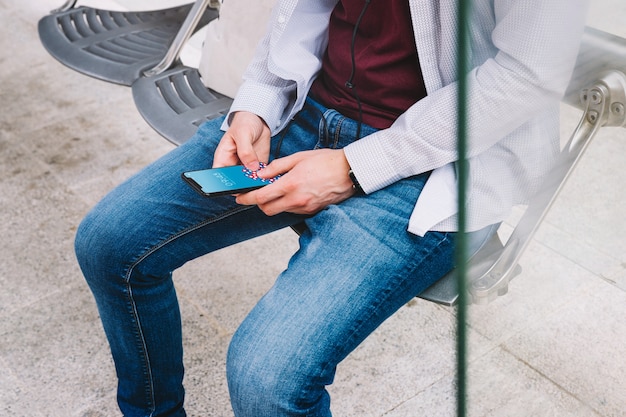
66 6
187 29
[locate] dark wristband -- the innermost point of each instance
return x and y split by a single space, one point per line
355 183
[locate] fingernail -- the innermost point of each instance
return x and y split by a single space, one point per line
255 166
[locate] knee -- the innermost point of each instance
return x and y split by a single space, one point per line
265 379
97 242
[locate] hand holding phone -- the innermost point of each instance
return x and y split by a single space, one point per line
226 180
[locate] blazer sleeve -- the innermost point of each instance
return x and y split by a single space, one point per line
286 62
522 52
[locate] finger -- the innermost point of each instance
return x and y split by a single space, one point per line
251 135
270 199
280 166
225 153
224 161
247 155
247 199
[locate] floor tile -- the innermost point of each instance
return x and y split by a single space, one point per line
581 347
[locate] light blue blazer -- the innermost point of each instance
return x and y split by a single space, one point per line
522 56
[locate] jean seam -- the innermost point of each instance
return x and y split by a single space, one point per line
322 128
133 305
337 133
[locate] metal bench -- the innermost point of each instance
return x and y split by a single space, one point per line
175 102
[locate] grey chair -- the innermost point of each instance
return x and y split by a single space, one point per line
174 103
121 47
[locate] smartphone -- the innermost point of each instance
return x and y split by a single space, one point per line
225 181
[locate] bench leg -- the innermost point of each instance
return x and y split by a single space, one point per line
603 102
66 6
188 27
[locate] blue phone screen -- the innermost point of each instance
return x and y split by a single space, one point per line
226 180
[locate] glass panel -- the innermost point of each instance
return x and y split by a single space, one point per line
553 344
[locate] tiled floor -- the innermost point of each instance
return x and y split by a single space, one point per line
553 346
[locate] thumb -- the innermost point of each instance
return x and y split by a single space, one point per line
247 156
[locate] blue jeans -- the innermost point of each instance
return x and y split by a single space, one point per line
356 266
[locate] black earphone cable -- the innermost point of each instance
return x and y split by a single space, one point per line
307 106
350 82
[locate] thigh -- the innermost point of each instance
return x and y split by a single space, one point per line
357 265
154 222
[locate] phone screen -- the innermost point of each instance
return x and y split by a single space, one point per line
225 181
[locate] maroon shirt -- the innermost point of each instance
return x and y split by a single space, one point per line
387 76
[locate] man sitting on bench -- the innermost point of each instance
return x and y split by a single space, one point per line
353 103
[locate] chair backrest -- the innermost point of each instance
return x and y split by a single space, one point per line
120 46
230 43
